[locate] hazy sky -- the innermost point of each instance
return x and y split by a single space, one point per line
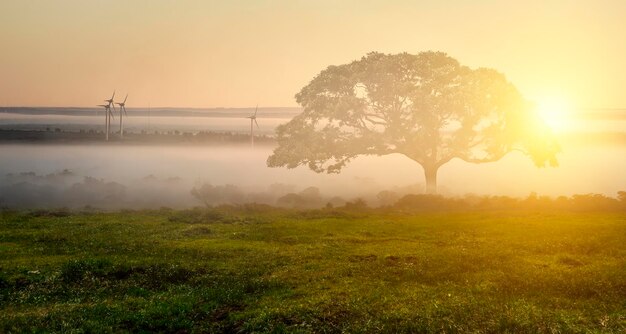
240 53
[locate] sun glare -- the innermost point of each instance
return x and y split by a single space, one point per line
555 111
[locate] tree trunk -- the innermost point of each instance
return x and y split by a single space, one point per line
431 179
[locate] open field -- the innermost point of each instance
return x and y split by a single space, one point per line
255 268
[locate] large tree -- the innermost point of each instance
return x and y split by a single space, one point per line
425 106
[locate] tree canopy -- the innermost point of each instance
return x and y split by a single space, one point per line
426 106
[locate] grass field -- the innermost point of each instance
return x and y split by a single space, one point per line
258 269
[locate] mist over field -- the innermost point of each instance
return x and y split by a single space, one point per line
159 120
148 176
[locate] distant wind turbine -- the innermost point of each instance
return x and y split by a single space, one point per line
122 108
253 118
109 114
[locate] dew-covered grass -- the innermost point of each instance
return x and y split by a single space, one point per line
260 269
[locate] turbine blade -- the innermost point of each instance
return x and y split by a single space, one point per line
112 96
125 98
124 107
257 124
256 109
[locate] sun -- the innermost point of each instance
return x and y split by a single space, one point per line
555 111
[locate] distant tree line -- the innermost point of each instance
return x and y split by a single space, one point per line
143 136
578 202
311 198
28 190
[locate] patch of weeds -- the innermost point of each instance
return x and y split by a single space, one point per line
76 270
20 281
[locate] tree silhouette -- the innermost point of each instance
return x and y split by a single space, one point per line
425 106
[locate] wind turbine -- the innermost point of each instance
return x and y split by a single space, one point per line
122 108
253 118
109 113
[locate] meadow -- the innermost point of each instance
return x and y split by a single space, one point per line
255 268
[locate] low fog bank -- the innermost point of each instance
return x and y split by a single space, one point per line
66 189
29 190
139 176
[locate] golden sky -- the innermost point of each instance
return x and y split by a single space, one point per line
240 53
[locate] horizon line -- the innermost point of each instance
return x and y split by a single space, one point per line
250 107
153 107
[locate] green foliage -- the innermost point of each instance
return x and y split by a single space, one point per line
331 270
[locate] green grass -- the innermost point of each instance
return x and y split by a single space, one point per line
257 269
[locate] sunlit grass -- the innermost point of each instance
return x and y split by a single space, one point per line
264 269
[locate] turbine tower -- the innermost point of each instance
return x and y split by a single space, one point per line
122 108
253 118
109 114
